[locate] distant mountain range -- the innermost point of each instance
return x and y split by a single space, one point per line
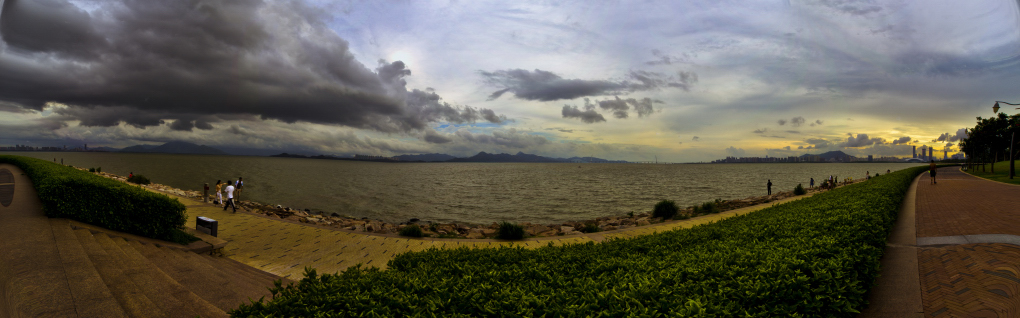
480 157
829 155
428 157
178 147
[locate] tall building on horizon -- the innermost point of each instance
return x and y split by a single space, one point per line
915 152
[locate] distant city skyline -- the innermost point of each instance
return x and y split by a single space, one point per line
638 81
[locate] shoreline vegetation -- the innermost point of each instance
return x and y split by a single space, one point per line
467 230
814 257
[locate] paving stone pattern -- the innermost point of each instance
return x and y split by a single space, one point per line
968 280
972 280
961 204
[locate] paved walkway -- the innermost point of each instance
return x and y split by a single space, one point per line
968 280
285 247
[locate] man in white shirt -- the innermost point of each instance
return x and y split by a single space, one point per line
230 197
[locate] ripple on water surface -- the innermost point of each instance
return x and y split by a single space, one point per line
468 192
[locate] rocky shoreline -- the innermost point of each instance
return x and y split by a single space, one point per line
465 230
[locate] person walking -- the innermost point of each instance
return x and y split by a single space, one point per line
932 170
219 192
770 186
230 197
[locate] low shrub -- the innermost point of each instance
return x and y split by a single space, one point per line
589 228
92 170
665 209
799 190
411 230
709 208
814 257
70 193
510 231
138 179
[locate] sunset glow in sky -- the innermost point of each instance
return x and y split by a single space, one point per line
682 81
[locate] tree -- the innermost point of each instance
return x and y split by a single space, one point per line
991 137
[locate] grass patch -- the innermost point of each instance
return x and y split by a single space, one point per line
1001 172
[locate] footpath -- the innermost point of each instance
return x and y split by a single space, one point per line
285 247
955 252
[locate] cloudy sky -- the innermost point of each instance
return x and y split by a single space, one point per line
681 81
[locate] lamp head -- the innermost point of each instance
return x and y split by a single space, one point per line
996 108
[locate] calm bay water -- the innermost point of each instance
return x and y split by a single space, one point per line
467 192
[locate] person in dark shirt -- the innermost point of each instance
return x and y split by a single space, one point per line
770 186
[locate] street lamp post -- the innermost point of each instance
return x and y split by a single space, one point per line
1012 170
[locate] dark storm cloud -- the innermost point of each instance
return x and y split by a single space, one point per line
817 143
943 137
862 140
141 62
961 134
588 115
781 122
797 121
510 138
435 137
901 140
618 106
547 86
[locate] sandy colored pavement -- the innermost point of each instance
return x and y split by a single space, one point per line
285 248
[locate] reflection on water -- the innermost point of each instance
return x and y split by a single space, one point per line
467 192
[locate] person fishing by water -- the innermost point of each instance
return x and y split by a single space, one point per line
932 170
230 197
812 186
219 192
770 186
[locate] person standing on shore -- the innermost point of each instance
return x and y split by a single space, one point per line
931 168
770 186
219 192
240 186
230 197
812 183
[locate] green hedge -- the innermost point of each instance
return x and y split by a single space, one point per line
70 193
814 257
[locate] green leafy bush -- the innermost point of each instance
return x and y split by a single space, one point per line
815 257
665 209
138 179
799 190
93 170
510 231
709 208
411 230
589 228
70 193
